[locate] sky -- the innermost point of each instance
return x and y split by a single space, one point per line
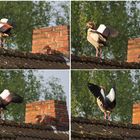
56 8
63 75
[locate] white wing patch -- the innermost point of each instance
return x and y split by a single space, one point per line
111 95
4 20
5 94
102 92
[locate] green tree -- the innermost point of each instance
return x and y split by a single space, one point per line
54 90
124 16
61 16
30 87
22 83
28 15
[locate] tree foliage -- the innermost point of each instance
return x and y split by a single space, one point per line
127 89
27 15
54 90
24 84
30 87
123 16
61 16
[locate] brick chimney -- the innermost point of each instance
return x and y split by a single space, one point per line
55 38
55 111
133 53
136 113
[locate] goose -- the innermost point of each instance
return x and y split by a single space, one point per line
98 37
106 103
5 30
6 98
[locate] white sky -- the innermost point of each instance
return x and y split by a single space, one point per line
63 75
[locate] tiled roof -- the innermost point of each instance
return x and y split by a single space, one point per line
17 131
12 59
84 62
103 130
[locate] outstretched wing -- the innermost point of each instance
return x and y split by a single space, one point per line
107 31
16 98
96 91
112 32
111 95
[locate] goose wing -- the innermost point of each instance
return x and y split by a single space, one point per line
110 99
113 32
16 98
96 91
111 95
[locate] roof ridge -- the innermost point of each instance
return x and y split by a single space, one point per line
39 56
79 61
105 123
25 125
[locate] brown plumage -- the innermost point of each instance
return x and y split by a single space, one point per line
96 39
5 28
6 98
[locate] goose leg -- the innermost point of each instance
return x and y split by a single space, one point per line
97 52
100 53
105 115
1 113
109 116
1 43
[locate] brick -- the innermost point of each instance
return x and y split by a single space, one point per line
54 34
133 53
41 41
64 33
133 47
55 110
39 35
63 38
136 106
46 29
136 114
135 110
61 27
36 31
63 49
60 45
135 40
133 59
66 44
57 38
136 121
